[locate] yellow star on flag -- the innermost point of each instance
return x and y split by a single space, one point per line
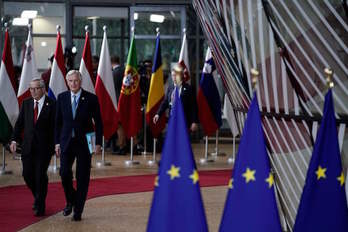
321 173
156 181
230 183
341 179
194 177
174 172
249 175
270 180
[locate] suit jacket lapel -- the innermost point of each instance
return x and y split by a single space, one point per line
68 104
31 111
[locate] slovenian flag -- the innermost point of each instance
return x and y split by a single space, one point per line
105 90
9 108
209 105
57 83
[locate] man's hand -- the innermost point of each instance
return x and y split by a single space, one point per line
57 149
155 119
97 149
13 147
194 127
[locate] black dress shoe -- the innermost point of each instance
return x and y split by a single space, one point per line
67 210
76 217
39 212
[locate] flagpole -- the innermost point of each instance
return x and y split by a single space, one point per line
153 161
145 138
131 161
3 170
233 156
217 153
102 162
206 159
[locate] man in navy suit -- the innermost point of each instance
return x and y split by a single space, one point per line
187 97
36 121
76 111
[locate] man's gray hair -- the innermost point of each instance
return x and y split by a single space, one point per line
74 72
41 82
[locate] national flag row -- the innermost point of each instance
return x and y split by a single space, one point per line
128 108
251 204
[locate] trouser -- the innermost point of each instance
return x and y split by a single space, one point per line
76 150
35 167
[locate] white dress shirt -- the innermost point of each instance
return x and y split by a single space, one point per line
40 105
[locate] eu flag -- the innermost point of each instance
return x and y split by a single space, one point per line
177 203
323 205
251 204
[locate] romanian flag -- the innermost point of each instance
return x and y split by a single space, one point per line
156 93
129 105
209 105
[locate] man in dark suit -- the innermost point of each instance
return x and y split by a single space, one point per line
36 120
76 109
187 97
117 73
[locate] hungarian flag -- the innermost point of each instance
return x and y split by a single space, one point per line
57 83
184 60
105 90
86 68
209 105
129 106
29 71
156 93
9 108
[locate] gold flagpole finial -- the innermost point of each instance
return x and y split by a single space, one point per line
329 74
255 76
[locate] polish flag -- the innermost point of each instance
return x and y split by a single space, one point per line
29 70
105 90
184 60
57 83
86 68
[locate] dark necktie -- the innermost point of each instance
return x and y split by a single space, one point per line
36 111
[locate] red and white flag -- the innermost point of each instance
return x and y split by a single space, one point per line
86 68
184 60
29 71
105 90
57 83
8 101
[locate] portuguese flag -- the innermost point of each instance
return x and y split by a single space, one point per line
9 108
156 93
129 105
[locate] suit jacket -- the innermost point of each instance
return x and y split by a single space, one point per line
188 100
87 109
117 74
42 133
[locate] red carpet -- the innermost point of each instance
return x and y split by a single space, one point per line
16 201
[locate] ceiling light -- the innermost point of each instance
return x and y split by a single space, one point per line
29 14
156 18
20 22
136 16
43 44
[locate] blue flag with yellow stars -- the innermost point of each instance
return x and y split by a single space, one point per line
251 203
323 205
177 204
